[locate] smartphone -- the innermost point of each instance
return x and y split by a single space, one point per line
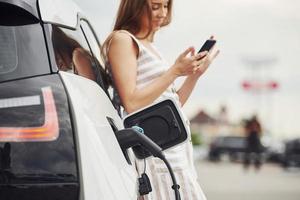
207 45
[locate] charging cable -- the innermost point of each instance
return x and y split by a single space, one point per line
160 155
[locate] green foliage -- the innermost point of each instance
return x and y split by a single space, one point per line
196 139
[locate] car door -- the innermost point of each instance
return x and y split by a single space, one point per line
105 173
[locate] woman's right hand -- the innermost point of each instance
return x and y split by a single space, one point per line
187 62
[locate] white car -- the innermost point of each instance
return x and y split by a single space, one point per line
59 131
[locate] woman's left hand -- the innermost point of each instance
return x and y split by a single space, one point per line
205 61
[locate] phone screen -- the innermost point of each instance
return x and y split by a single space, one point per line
207 45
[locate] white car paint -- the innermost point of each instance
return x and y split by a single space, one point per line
62 12
106 174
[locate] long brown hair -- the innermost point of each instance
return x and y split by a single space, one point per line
65 45
129 17
130 13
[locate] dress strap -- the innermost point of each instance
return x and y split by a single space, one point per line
131 35
110 37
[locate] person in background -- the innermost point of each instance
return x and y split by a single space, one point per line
253 144
141 76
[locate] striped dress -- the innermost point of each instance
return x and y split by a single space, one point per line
149 67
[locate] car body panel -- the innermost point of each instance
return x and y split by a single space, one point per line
105 171
54 11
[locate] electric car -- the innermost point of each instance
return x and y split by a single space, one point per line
58 126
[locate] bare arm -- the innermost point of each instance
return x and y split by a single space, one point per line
189 84
122 56
186 89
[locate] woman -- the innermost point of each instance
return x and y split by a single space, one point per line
253 144
142 77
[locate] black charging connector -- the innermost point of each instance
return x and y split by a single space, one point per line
144 185
130 137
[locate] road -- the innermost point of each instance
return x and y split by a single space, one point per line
229 181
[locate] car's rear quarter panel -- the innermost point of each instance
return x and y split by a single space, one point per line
105 174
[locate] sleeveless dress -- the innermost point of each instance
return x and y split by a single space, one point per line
149 67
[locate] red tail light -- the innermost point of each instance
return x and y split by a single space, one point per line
47 132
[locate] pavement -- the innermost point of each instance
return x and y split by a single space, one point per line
229 181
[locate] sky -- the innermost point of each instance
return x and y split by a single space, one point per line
258 39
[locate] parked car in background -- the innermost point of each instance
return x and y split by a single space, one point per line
232 146
274 149
291 155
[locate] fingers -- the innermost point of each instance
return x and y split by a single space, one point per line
196 62
187 51
207 55
201 55
215 54
197 59
193 52
200 62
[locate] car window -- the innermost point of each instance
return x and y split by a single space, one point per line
91 38
73 54
22 52
96 51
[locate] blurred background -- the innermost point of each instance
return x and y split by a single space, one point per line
257 73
